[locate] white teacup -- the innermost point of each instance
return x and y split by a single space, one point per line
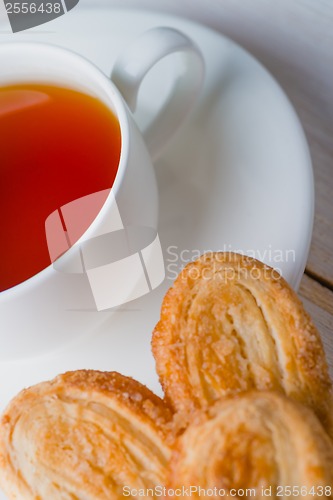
119 256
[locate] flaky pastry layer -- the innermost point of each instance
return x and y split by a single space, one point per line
258 445
84 435
232 324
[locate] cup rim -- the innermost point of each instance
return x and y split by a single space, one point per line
105 83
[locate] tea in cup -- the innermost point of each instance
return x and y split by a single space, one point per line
79 195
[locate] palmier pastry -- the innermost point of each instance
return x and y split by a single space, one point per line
84 435
231 324
259 444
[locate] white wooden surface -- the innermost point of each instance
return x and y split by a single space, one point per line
294 39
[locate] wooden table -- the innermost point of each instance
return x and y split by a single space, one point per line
294 39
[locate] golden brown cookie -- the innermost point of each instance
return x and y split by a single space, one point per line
231 324
84 435
254 443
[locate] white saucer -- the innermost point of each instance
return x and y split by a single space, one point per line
238 176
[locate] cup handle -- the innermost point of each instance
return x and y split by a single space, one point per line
133 65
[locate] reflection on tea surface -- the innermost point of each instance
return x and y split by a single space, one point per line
16 101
